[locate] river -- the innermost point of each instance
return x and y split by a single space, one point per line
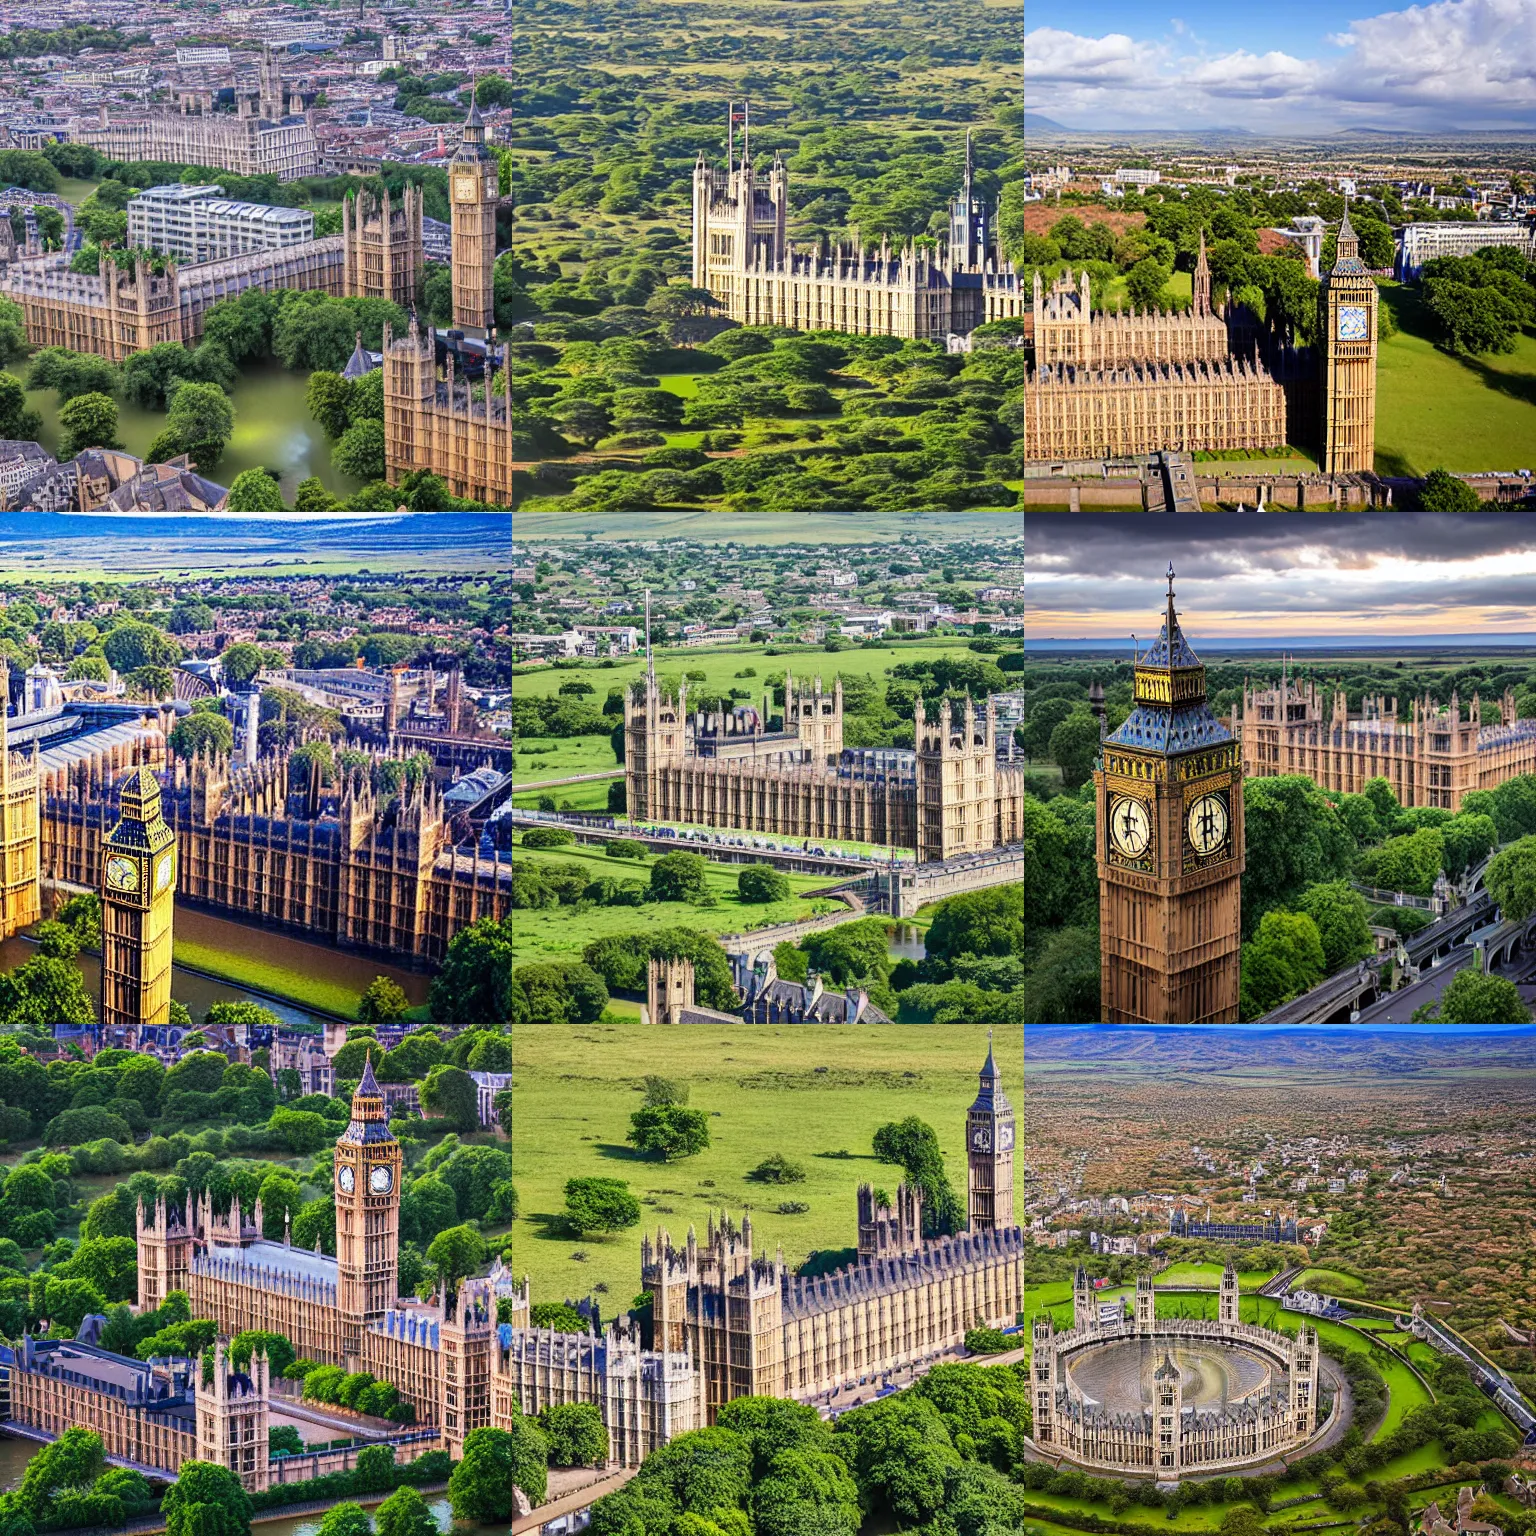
267 947
15 1454
273 428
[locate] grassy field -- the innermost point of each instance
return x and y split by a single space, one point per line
557 757
591 796
1209 1276
1330 1282
717 527
300 987
540 935
803 1091
1434 410
720 668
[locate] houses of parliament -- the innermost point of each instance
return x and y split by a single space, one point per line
743 256
1108 385
729 1321
442 412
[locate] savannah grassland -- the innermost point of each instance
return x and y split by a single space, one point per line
808 1091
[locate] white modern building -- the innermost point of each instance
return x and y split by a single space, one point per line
198 223
1421 243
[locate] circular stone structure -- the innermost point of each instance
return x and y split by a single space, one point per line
1126 1391
1118 1376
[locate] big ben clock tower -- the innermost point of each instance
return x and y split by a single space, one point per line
138 893
473 188
989 1153
1169 814
368 1165
1348 301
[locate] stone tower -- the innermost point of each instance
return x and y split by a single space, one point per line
956 780
989 1153
464 1386
1043 1377
1303 1380
1146 1304
164 1253
740 215
1169 796
368 1163
138 893
1227 1303
654 735
1348 303
20 891
381 246
1085 1308
816 717
472 176
668 989
1201 285
885 1229
970 220
1168 1411
233 1414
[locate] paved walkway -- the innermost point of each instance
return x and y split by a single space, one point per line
571 1500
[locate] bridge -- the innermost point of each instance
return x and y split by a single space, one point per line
1359 994
901 891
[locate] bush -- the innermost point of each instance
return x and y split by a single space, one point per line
758 883
778 1169
547 837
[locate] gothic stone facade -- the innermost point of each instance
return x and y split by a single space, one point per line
730 772
335 865
1433 758
343 1310
1165 1439
742 255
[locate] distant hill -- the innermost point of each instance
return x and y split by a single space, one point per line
1033 120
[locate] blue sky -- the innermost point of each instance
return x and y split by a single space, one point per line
1293 66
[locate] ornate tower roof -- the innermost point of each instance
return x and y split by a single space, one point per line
368 1122
991 1099
1167 1371
1170 714
1348 259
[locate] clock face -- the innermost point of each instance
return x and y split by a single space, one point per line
1005 1138
163 871
464 188
1352 322
346 1179
381 1180
1130 827
122 873
1208 823
981 1139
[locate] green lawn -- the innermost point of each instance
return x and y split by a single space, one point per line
767 1088
541 935
1330 1282
297 986
684 384
591 796
1434 410
557 757
1209 1276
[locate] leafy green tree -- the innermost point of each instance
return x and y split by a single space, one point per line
327 396
913 1145
254 490
1343 922
200 732
345 1519
1443 492
494 1462
276 1347
575 1435
360 452
405 1513
600 1205
450 1093
200 413
206 1500
17 420
88 421
1511 879
75 1460
759 883
474 985
1074 745
383 1002
668 1131
134 644
679 877
455 1254
1294 839
1282 960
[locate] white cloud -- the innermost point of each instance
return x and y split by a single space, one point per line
1448 64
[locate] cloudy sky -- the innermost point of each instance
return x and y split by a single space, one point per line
1296 66
1394 574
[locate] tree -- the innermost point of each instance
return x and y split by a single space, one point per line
762 883
451 1094
474 985
89 421
200 413
600 1205
1511 879
1343 922
1074 745
17 421
383 1002
75 1460
206 1500
575 1435
345 1519
254 490
1145 282
327 397
284 1440
360 453
913 1145
276 1347
202 731
1282 960
1294 838
667 1131
456 1253
241 662
679 877
135 644
496 1461
405 1513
